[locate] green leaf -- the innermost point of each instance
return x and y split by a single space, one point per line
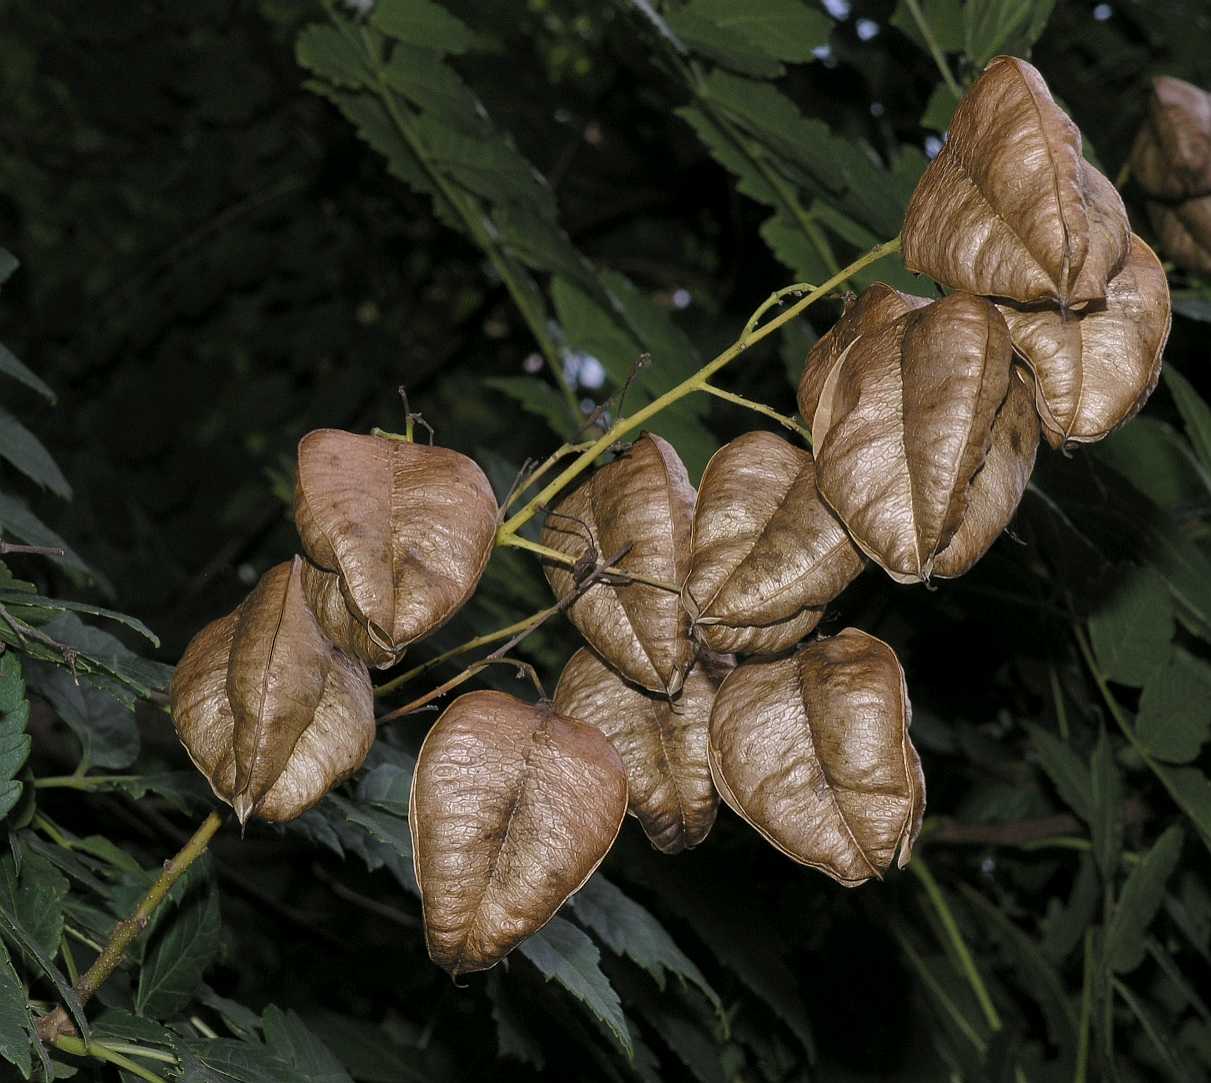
514 1039
331 55
1067 773
537 397
562 953
1107 823
423 23
1173 720
19 522
1158 461
8 264
116 1024
784 29
10 366
224 1060
26 452
296 1045
1066 926
1196 414
1191 790
1192 304
430 84
1161 1040
1133 626
946 23
21 598
16 1031
732 49
14 741
939 109
1140 900
179 955
1003 26
103 724
628 929
387 786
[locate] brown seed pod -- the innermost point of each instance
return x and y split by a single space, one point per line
767 553
662 743
1094 370
1183 231
814 752
1009 208
997 488
903 424
1171 159
408 528
269 711
644 500
878 304
513 807
323 593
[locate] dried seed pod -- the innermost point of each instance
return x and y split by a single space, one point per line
662 743
408 527
1171 159
1183 231
767 553
997 488
814 752
878 304
513 807
269 711
1094 370
323 593
903 424
1009 208
644 500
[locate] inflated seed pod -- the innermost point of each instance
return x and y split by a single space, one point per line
903 425
271 712
1171 159
814 752
1093 370
767 553
323 593
642 505
408 528
997 488
1010 208
662 743
513 807
1183 231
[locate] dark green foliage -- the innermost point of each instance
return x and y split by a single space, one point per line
236 222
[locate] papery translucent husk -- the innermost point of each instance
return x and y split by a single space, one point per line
1009 208
326 600
903 424
997 488
408 528
814 752
642 500
662 743
1171 159
767 553
1183 232
513 807
1094 370
271 712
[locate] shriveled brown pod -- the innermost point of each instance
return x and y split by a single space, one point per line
662 743
513 807
1009 208
323 593
876 305
903 424
997 488
1171 159
1183 231
1094 370
767 553
408 528
642 503
271 712
814 752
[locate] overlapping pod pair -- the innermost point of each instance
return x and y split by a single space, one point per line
1010 210
273 702
1171 162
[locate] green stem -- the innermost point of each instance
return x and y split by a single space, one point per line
83 782
477 225
143 1051
966 963
516 541
687 386
1082 1049
935 50
761 408
98 1051
1057 694
935 987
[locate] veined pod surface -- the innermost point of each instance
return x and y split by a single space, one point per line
903 425
1010 208
1093 370
767 553
324 597
814 752
642 503
513 807
407 527
1171 159
662 743
271 712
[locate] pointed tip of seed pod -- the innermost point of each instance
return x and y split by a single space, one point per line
244 807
